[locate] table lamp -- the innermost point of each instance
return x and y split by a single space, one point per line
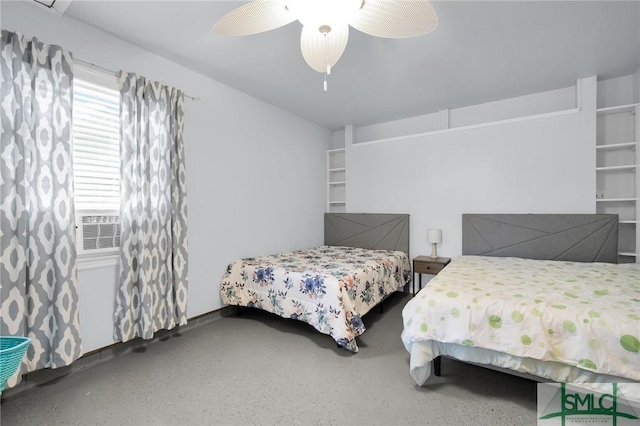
434 236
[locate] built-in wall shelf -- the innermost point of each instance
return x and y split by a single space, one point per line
617 177
336 180
631 167
617 146
627 253
616 200
617 109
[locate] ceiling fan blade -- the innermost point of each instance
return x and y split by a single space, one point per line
395 19
254 17
320 50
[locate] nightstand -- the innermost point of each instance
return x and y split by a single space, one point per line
427 265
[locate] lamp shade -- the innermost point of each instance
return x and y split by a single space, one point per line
434 235
320 50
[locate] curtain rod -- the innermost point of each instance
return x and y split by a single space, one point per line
114 72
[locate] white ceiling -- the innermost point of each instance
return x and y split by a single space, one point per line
481 51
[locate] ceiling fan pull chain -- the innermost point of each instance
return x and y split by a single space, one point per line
326 56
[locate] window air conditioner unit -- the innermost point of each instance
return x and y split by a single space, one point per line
98 234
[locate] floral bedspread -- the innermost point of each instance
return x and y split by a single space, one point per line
586 315
329 287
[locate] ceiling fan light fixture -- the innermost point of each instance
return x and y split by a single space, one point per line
321 51
325 23
319 13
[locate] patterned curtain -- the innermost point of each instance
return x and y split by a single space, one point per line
153 212
38 277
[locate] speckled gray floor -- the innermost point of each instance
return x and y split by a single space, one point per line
260 369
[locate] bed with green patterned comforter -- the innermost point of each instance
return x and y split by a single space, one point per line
582 315
328 287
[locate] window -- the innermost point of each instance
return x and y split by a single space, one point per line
96 147
96 162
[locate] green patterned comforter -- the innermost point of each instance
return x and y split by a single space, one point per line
585 315
327 287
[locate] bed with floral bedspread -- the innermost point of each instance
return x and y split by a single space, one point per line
328 287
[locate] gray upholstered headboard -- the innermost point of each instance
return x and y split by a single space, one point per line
367 230
570 237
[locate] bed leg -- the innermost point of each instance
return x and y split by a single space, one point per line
436 366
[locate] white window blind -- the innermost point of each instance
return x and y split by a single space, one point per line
96 147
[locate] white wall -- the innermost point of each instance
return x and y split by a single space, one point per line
537 103
636 86
542 165
251 169
338 139
523 106
402 127
617 91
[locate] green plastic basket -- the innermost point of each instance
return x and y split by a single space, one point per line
12 349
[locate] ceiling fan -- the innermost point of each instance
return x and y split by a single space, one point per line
325 23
